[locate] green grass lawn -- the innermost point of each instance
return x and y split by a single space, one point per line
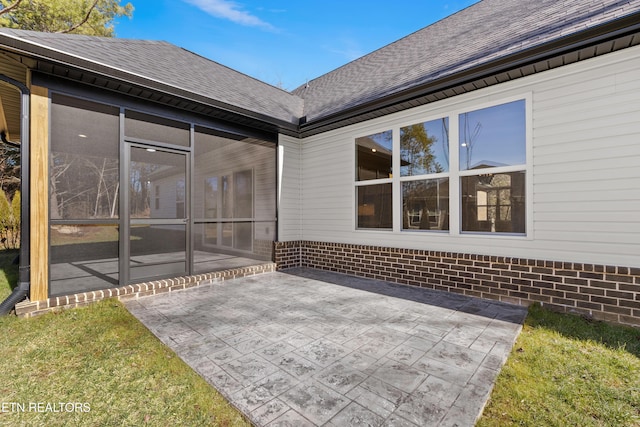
104 360
8 273
564 371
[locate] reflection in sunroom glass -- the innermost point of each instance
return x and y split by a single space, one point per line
493 137
424 148
373 156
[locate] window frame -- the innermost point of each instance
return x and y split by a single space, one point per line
378 181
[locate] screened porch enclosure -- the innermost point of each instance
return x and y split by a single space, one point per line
136 197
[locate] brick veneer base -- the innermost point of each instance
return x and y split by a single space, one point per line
34 308
610 293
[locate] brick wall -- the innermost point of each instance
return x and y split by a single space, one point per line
610 293
288 254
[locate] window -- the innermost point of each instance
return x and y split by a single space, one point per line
424 153
425 204
243 194
424 148
374 161
374 206
487 177
373 156
493 163
493 202
211 197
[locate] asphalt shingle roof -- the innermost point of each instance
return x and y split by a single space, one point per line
481 33
166 63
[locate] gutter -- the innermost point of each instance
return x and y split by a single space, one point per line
21 291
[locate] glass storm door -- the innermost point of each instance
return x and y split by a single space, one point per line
158 213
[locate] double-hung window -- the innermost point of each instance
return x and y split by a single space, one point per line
492 147
424 175
374 174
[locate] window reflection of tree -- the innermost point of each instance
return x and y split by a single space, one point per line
425 204
416 151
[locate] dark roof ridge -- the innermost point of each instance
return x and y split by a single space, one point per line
43 34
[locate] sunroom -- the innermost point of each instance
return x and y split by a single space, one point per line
169 198
134 180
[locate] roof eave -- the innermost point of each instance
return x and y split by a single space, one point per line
61 59
451 85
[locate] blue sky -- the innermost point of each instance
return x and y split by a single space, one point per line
284 43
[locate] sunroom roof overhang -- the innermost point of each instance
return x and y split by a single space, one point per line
615 35
61 65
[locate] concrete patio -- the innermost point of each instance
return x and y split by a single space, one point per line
313 348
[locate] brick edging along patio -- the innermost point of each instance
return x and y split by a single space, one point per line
610 293
127 292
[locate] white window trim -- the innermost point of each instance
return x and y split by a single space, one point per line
455 215
396 190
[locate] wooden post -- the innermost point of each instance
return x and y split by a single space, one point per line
39 171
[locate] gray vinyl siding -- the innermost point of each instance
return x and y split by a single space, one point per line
587 152
289 177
